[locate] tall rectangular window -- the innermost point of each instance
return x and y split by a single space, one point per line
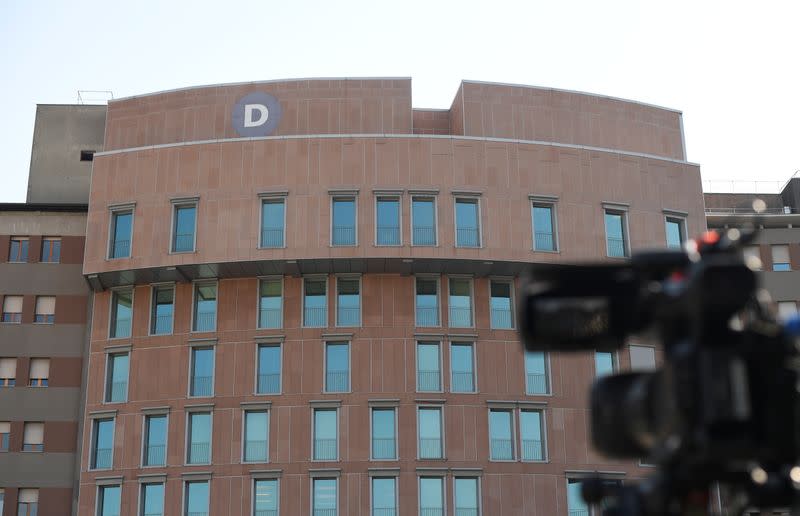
162 309
337 367
348 302
462 367
502 309
121 231
5 432
12 309
616 238
152 503
604 363
202 379
423 221
197 499
468 232
430 433
270 303
265 497
269 369
431 496
184 227
155 440
8 372
536 381
429 368
387 221
256 436
117 378
315 302
205 307
102 443
544 238
427 302
108 500
121 313
33 437
18 250
460 302
530 429
501 438
467 496
384 440
676 233
199 448
39 373
51 250
325 434
27 502
343 228
780 258
273 218
324 497
384 496
45 310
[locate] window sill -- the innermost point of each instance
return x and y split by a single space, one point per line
255 462
548 251
193 251
262 248
153 466
524 461
110 259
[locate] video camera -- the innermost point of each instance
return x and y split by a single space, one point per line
723 407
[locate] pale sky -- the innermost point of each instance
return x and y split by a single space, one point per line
731 67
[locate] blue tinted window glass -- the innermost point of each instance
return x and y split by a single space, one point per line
162 310
325 424
272 222
325 495
383 494
461 357
184 228
153 499
266 496
430 493
467 223
603 363
383 424
543 238
197 498
430 424
271 304
466 494
110 500
200 428
424 221
615 234
121 240
344 222
205 300
337 367
156 430
269 360
500 424
575 503
388 215
122 313
674 233
202 371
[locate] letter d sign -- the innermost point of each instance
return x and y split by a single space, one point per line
256 114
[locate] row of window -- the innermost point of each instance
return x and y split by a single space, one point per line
44 313
19 247
32 436
38 372
780 257
388 225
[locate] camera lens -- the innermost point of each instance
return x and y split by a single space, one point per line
622 425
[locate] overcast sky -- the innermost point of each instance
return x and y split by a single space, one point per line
731 67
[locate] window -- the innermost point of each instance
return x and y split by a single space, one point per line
51 250
530 429
676 234
780 258
121 230
348 302
430 433
27 502
616 239
202 380
155 440
315 303
466 495
384 496
467 226
152 503
162 311
12 309
427 302
752 256
544 238
428 367
462 367
205 307
273 216
121 313
324 497
39 372
5 432
343 229
197 497
384 429
786 310
536 381
502 311
2 497
643 358
387 215
337 367
184 222
8 372
117 378
256 436
199 448
431 496
501 439
45 310
87 155
575 504
270 303
460 302
423 221
325 434
265 497
604 363
269 369
33 437
102 443
18 250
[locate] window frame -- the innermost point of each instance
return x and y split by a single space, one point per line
385 476
50 254
344 196
622 211
335 478
394 409
254 409
263 199
93 441
547 373
471 344
514 433
268 344
19 239
195 286
472 199
140 507
112 317
24 425
17 319
194 346
335 410
339 342
437 280
99 495
511 299
632 345
433 196
108 382
154 288
114 211
348 277
545 201
774 263
36 314
471 282
542 432
386 195
478 492
675 217
441 477
614 362
257 479
185 496
41 382
314 277
178 203
442 437
205 409
417 342
146 435
262 279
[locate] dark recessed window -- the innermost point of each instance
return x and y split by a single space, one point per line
87 155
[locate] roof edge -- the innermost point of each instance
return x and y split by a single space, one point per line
31 206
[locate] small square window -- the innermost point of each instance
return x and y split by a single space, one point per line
87 155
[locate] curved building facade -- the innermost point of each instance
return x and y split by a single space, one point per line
303 292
